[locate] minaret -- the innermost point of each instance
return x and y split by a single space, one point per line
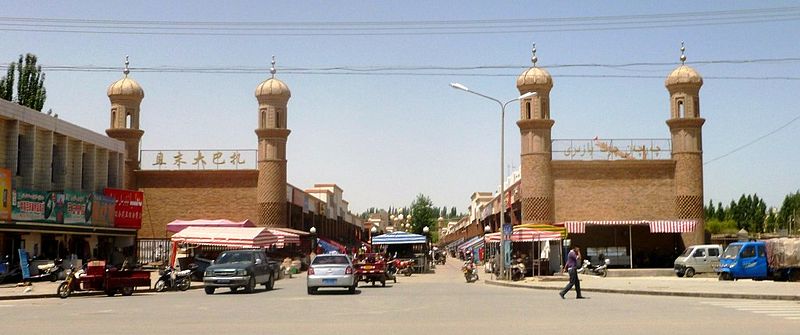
272 95
536 158
126 95
685 125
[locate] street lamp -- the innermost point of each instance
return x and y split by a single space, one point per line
502 153
487 229
313 232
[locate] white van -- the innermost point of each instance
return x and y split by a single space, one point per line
698 259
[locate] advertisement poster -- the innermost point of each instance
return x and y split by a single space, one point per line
128 212
75 208
36 206
100 210
5 190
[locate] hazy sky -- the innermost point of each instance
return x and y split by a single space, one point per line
386 137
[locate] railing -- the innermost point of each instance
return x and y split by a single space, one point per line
612 149
198 159
150 251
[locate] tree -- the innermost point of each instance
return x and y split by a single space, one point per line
453 212
423 215
710 211
30 83
790 211
720 212
443 213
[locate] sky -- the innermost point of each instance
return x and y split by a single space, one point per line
385 136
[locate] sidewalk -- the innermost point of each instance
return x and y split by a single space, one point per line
701 287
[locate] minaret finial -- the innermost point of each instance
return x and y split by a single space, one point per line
534 59
127 70
272 69
683 56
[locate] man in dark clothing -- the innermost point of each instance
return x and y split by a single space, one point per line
572 268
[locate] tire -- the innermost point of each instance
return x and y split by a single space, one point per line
127 291
271 283
680 274
111 293
383 282
251 285
184 284
605 273
64 290
689 272
725 276
407 272
160 286
312 290
209 290
53 277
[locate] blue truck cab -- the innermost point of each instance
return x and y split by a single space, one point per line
744 260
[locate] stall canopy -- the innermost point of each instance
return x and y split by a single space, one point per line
656 226
398 237
471 242
293 231
226 236
454 244
285 238
179 225
525 235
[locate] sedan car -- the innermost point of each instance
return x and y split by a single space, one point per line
331 270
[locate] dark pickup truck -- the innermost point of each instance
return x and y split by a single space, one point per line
241 268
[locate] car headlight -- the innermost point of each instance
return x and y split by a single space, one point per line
241 272
209 273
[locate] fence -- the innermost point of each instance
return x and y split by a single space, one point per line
151 251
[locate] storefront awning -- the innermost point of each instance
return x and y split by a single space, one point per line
285 238
178 225
656 226
525 235
470 243
399 237
225 236
454 244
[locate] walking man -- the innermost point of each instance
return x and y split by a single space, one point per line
572 269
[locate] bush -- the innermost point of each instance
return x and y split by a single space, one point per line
715 226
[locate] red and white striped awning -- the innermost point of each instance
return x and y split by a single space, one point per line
245 237
525 235
656 226
285 238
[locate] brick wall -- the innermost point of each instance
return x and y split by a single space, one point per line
614 190
188 195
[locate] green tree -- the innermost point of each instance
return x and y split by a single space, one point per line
453 213
30 83
443 213
790 211
710 211
423 215
772 222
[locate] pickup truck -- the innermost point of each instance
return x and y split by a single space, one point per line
371 268
241 268
777 258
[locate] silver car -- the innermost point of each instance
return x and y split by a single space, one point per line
331 270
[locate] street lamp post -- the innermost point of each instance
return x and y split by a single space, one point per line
313 232
502 159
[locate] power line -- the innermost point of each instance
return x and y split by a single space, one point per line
753 141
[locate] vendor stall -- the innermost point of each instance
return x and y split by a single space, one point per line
406 246
246 237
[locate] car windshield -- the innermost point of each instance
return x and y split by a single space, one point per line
330 260
686 252
731 251
234 257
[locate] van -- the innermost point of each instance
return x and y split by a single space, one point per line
698 259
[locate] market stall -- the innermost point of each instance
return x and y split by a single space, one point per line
236 237
178 225
406 246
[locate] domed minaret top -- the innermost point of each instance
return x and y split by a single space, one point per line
684 74
534 76
126 87
272 88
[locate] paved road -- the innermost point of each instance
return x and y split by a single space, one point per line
442 303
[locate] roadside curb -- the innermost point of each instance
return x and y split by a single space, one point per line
657 293
77 294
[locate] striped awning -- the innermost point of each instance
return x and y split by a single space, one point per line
399 237
466 245
454 244
244 237
525 235
285 238
656 226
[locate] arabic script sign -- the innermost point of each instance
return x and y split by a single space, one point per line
612 149
202 159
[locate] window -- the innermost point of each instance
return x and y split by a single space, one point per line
277 119
128 120
528 110
19 155
761 252
83 170
700 253
54 155
329 260
113 117
714 252
749 251
681 109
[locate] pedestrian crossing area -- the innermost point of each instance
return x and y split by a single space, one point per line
789 310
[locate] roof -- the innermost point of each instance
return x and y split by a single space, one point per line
226 236
125 87
399 237
178 225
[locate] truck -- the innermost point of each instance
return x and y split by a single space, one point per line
776 259
241 268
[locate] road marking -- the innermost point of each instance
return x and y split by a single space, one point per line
788 310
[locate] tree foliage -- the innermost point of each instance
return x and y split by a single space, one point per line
789 212
29 83
749 213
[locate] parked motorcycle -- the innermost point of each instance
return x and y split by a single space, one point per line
599 270
400 266
71 283
470 272
171 279
517 271
440 258
50 271
9 273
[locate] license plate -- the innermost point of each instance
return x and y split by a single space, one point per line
223 281
368 267
328 281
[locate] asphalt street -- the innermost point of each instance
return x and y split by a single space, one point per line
440 303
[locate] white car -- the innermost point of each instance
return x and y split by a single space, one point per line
331 270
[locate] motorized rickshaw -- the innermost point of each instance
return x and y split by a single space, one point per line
98 277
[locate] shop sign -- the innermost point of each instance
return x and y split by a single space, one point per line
128 211
37 206
5 190
101 210
75 208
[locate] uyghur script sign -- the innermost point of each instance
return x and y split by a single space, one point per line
203 159
615 149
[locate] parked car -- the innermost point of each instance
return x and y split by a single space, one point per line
241 268
331 270
698 259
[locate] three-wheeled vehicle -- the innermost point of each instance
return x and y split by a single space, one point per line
97 277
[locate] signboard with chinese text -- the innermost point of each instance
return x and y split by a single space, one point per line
199 159
36 206
128 208
612 149
75 207
5 192
101 211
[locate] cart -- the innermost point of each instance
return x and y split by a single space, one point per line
99 278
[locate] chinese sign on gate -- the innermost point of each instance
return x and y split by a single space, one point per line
203 159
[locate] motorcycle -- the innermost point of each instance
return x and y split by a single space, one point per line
397 265
71 283
50 271
517 271
9 273
470 272
170 279
440 258
599 270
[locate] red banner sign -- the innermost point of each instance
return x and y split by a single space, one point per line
128 207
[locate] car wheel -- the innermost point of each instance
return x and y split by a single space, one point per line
679 274
312 290
127 291
209 290
689 272
271 283
234 288
251 285
111 293
725 276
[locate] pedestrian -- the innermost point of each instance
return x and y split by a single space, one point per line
572 269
